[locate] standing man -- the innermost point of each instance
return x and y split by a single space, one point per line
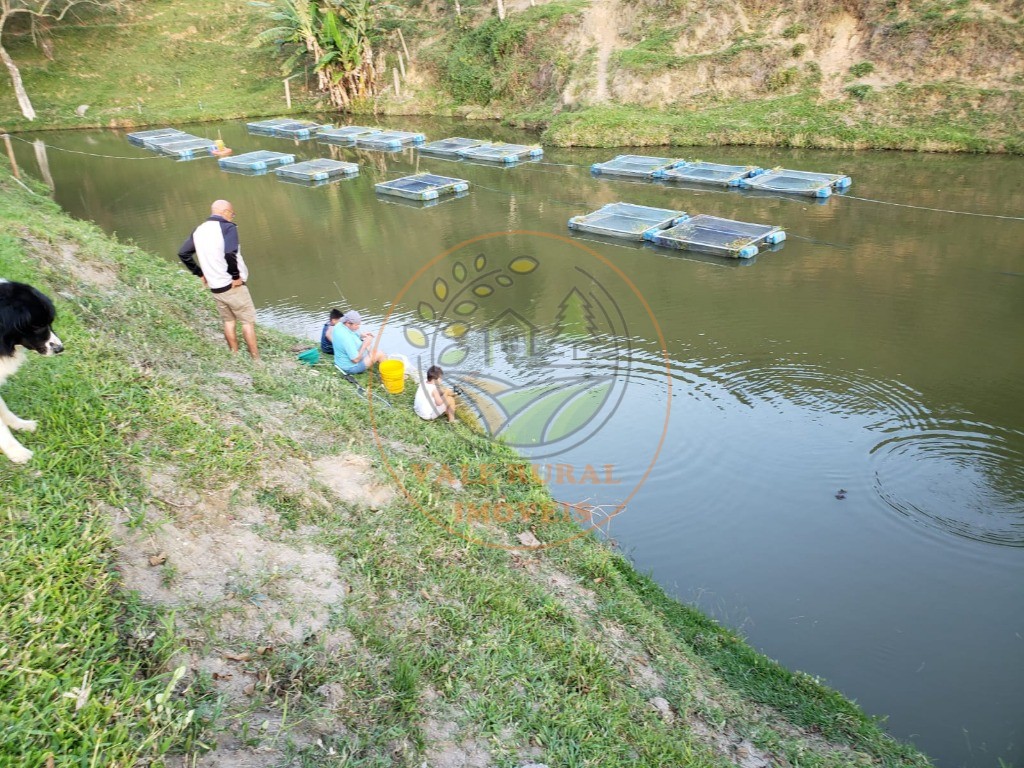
215 244
352 347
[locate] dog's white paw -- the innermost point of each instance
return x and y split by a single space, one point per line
25 425
19 454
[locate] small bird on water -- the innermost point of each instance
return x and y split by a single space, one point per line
842 494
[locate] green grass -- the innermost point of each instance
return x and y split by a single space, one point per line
498 59
952 119
655 53
162 61
435 638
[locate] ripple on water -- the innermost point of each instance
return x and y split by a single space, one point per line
818 388
962 478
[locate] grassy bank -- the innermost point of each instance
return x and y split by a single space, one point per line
876 121
190 510
156 62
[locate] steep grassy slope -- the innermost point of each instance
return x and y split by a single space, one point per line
206 564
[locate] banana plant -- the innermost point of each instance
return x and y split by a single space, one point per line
335 36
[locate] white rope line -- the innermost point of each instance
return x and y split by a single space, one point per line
926 208
90 154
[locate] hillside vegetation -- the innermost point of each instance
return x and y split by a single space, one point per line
929 74
940 75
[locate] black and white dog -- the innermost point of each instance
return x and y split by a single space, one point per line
25 319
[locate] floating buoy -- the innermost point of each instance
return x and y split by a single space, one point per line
220 150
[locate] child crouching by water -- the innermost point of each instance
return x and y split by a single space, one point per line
432 401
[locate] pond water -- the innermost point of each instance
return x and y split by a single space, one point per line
878 352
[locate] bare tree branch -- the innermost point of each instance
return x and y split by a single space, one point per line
53 11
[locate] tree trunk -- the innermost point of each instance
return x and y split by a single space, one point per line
501 9
19 87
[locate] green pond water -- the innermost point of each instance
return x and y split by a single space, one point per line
718 408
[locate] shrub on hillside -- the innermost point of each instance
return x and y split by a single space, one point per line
862 68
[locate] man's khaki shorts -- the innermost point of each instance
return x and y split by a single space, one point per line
236 304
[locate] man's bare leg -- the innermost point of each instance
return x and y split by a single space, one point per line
229 335
249 334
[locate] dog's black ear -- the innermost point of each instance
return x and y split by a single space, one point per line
21 307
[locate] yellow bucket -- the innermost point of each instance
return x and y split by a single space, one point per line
392 375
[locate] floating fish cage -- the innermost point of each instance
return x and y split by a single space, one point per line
798 182
626 221
156 142
709 173
318 170
390 140
298 129
267 127
256 161
450 147
722 237
634 165
346 134
392 200
502 153
188 148
422 186
139 138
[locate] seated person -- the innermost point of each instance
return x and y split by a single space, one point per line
326 340
352 348
432 401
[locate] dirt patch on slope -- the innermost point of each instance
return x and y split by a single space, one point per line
351 477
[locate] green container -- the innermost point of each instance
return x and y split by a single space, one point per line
310 356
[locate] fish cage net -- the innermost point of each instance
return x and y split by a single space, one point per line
318 170
422 186
187 148
346 134
139 138
502 153
268 126
722 237
156 142
798 182
634 165
625 220
451 146
256 161
393 200
298 129
709 173
390 140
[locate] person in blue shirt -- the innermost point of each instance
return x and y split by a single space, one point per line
326 335
353 351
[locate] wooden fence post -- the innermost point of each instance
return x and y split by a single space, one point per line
398 90
10 155
287 93
405 48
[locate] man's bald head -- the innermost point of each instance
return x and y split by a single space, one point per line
223 209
